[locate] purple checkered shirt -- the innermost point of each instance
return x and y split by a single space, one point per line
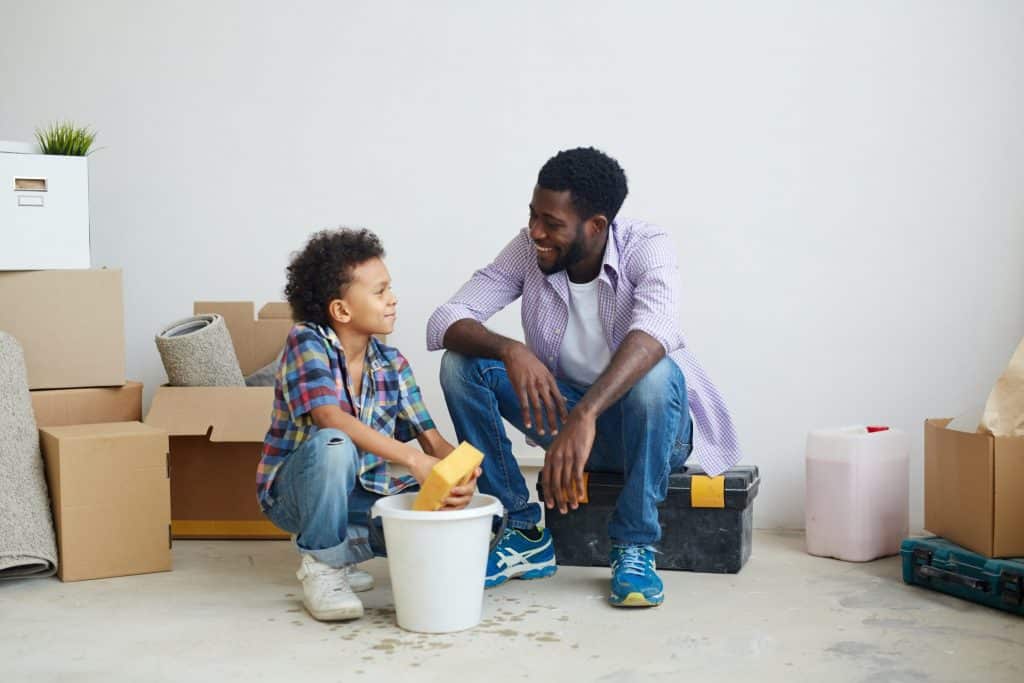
639 291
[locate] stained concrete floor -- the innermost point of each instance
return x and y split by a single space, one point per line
230 610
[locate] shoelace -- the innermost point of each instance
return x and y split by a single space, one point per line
633 560
342 572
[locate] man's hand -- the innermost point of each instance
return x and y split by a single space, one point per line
562 476
536 388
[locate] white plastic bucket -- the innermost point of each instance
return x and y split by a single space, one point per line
437 561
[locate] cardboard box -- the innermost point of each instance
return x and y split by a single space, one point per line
974 489
70 323
216 433
111 499
257 340
216 438
60 407
44 209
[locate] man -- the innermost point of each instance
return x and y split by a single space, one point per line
604 381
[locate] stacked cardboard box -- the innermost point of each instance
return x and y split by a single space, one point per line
106 471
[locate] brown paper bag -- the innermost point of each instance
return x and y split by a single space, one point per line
1004 410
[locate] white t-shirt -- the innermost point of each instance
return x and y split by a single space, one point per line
584 354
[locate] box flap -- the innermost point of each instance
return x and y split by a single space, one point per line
223 413
958 499
257 342
56 407
1009 497
276 310
105 429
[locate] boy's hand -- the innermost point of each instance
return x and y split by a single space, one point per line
460 496
421 464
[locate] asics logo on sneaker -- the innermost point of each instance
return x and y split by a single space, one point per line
510 556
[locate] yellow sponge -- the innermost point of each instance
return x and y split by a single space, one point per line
448 473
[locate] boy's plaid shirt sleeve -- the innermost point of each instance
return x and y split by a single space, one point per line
308 381
413 418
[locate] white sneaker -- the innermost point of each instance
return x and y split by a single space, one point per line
326 591
359 580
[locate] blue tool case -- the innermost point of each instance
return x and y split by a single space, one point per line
937 564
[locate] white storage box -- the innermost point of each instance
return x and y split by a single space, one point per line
44 209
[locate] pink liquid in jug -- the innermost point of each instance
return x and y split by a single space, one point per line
857 493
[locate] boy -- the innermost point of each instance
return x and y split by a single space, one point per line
344 406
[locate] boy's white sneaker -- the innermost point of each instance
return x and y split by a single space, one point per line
359 580
326 591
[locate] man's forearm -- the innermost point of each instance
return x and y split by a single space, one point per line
638 353
470 338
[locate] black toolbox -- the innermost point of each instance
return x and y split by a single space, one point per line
706 522
942 566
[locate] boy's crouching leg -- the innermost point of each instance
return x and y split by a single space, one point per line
321 474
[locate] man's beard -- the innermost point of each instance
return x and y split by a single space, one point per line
571 257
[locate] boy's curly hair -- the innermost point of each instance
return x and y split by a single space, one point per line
319 273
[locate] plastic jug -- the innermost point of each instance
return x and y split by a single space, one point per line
857 492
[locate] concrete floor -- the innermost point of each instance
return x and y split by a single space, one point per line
230 610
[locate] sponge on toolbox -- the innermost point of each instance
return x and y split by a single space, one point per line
456 467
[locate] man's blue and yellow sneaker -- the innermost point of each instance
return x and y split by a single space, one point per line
634 580
521 555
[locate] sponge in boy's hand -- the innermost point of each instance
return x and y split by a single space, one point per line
458 466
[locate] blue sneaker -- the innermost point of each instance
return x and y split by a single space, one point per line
634 581
517 557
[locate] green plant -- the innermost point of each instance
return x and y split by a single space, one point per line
65 138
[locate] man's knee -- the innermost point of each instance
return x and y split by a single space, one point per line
655 389
456 369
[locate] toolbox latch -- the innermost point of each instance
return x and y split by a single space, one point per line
1011 589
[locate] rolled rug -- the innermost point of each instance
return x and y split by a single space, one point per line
197 352
28 546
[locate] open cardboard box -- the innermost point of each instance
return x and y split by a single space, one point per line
974 489
216 433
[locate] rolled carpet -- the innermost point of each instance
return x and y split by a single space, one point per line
28 547
197 352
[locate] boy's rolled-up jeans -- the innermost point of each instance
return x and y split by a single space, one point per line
318 497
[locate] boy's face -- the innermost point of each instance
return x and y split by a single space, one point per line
368 305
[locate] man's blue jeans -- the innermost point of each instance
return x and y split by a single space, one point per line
318 497
645 435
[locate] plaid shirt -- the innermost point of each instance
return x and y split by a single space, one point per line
312 373
637 290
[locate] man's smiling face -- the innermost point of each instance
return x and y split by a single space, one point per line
556 230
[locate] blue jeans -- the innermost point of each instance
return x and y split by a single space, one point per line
645 435
318 497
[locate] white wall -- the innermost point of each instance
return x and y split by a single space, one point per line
844 181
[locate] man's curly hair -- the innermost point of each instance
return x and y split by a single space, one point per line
320 272
596 182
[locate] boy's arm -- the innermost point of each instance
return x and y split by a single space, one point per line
434 444
369 439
